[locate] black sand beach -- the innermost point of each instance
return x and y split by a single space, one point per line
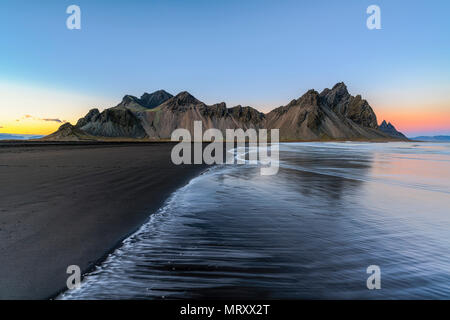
70 204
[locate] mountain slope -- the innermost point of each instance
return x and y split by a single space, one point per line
68 132
390 130
332 114
114 122
147 101
182 110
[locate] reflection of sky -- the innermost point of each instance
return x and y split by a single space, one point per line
260 53
310 231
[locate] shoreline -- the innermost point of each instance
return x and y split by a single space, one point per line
17 161
64 206
43 143
131 233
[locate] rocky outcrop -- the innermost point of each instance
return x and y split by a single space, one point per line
388 128
332 114
248 115
112 122
90 117
182 110
68 132
154 99
343 104
147 101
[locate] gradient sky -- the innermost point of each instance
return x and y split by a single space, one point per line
250 52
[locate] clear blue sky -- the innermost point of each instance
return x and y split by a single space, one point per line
259 53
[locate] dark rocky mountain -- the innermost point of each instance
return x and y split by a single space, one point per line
332 114
147 101
182 110
114 122
154 99
354 108
182 101
390 130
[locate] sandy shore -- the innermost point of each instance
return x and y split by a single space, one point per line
70 204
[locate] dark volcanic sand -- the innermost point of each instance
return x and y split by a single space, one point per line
69 204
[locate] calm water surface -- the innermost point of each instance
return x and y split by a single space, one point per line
310 231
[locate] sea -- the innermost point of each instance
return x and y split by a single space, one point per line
9 136
318 229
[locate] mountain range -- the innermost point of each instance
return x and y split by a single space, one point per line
432 138
333 114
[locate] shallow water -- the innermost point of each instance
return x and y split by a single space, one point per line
310 231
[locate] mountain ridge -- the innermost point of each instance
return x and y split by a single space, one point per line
389 128
333 114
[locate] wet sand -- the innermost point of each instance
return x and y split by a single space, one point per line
71 204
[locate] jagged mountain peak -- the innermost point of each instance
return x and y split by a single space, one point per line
387 125
154 99
246 113
308 98
311 97
389 129
332 114
91 115
127 99
340 86
157 92
147 100
335 95
185 98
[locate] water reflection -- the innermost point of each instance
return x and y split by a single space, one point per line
308 232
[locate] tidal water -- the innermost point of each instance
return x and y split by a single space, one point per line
310 231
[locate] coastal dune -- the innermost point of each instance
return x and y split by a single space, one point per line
70 204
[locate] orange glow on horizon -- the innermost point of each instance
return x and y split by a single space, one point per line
403 120
416 120
42 110
32 113
36 127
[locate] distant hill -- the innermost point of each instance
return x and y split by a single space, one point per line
388 128
433 138
333 114
68 132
